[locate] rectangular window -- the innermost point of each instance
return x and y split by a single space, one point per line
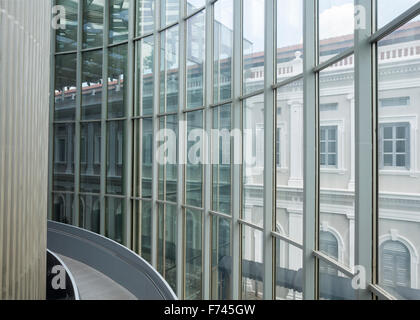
394 145
328 146
395 102
278 135
328 106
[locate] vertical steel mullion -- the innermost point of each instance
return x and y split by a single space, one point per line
310 128
104 115
181 150
237 149
365 156
269 147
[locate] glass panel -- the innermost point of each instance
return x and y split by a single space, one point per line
168 167
333 285
169 12
117 73
65 87
63 157
147 157
253 45
289 161
193 5
193 255
337 171
398 154
145 16
115 178
289 272
118 20
389 9
169 70
253 159
62 209
336 27
289 38
144 77
146 231
114 219
92 82
90 213
221 259
93 16
66 31
252 264
223 50
90 157
221 159
194 167
195 60
167 243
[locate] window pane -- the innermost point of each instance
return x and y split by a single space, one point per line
93 16
221 259
195 60
333 285
145 16
193 5
90 167
223 50
117 73
169 70
289 38
253 45
114 219
90 213
145 70
65 87
64 157
169 12
146 230
221 159
62 208
66 32
253 159
194 167
115 179
118 20
252 264
336 27
389 9
92 82
193 255
147 159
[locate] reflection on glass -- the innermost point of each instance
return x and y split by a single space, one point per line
221 259
169 12
194 167
337 158
65 87
90 157
195 60
252 264
62 208
144 77
92 82
193 255
93 16
167 243
333 285
253 159
90 213
289 38
289 161
117 73
114 219
221 159
193 5
289 272
389 9
336 27
66 32
168 168
147 157
398 160
118 20
169 70
146 231
253 45
63 157
115 177
145 16
223 50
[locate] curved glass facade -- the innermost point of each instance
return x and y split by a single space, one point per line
256 149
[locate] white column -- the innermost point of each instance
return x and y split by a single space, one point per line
296 144
351 240
295 233
351 184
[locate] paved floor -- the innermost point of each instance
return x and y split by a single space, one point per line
94 285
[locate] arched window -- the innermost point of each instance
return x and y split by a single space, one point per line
328 244
395 264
